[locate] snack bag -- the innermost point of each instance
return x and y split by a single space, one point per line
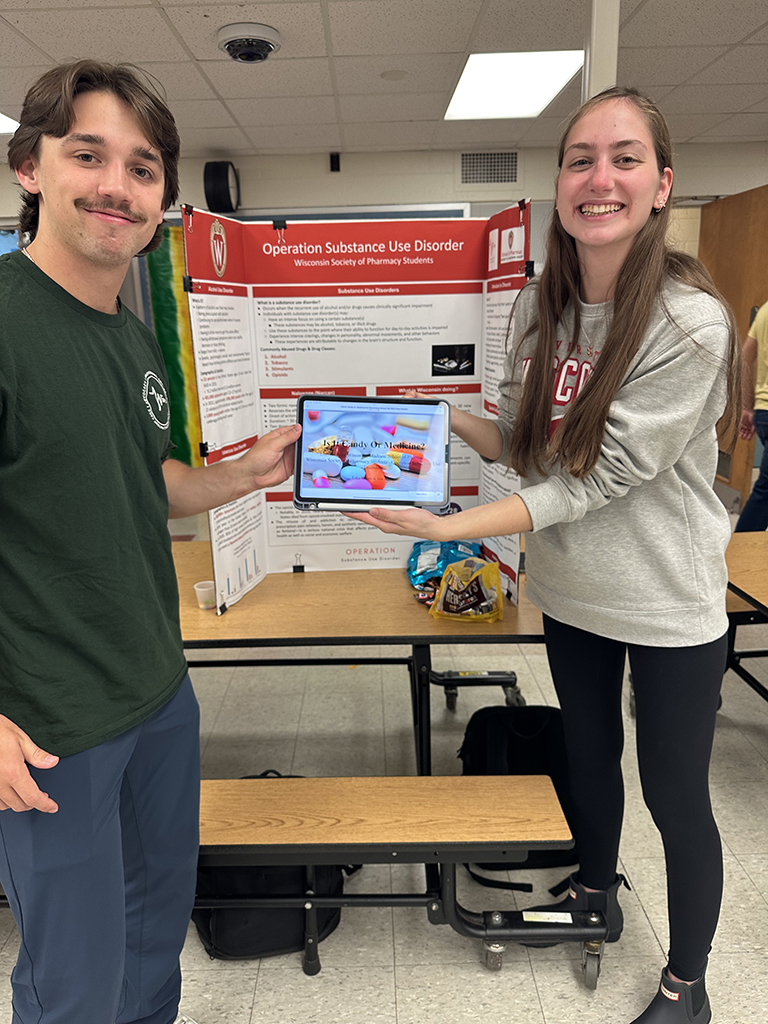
470 589
428 561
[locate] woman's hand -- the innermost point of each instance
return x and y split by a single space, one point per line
497 519
407 522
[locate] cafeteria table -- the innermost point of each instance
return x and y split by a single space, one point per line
747 558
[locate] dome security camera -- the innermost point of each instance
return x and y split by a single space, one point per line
247 43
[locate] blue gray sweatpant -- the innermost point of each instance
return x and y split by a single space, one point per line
102 890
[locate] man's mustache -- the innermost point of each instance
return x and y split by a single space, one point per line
118 209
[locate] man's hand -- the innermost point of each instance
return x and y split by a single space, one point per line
18 790
747 424
270 461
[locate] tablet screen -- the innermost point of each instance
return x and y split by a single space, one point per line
357 453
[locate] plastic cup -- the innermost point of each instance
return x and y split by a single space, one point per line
205 592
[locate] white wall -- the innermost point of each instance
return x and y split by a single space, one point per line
280 183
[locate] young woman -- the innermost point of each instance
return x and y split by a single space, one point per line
623 359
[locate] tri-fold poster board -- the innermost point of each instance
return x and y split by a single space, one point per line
357 308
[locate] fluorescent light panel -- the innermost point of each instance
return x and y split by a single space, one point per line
7 125
496 85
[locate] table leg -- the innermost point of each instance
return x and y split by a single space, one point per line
421 668
311 962
735 657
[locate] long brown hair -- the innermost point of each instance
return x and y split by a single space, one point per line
48 110
576 443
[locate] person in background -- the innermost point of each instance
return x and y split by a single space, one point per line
99 735
754 418
623 359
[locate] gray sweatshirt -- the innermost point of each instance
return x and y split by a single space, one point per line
636 550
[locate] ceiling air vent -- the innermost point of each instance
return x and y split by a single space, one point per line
488 168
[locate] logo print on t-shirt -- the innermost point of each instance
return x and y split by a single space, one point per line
156 400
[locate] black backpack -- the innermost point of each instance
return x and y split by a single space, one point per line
251 932
525 740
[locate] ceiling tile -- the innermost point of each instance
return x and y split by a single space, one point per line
309 77
285 110
728 139
181 81
658 92
16 52
760 37
684 126
213 142
567 99
424 72
200 114
741 64
754 125
626 8
691 23
513 26
462 134
138 34
419 107
401 26
398 135
544 131
305 138
706 99
663 65
300 26
48 5
14 83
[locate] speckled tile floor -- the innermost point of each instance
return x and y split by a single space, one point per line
392 967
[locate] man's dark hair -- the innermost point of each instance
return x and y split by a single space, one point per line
48 110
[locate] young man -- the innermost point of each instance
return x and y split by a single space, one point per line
99 731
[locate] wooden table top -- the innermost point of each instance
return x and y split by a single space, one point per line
747 558
390 810
377 606
338 607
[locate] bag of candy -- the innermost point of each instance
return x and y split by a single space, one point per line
470 589
428 561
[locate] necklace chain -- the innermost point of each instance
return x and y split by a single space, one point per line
29 257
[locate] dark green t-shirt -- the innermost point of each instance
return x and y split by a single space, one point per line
90 643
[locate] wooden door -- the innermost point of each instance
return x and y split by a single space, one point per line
733 245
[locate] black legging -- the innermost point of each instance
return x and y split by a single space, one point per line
676 696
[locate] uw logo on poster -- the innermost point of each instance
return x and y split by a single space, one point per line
218 247
512 244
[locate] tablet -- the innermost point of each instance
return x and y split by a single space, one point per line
359 453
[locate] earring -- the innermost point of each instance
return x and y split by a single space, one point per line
660 207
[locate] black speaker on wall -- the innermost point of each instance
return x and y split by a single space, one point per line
222 186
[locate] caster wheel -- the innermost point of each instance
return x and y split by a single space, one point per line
513 697
494 956
590 962
451 699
